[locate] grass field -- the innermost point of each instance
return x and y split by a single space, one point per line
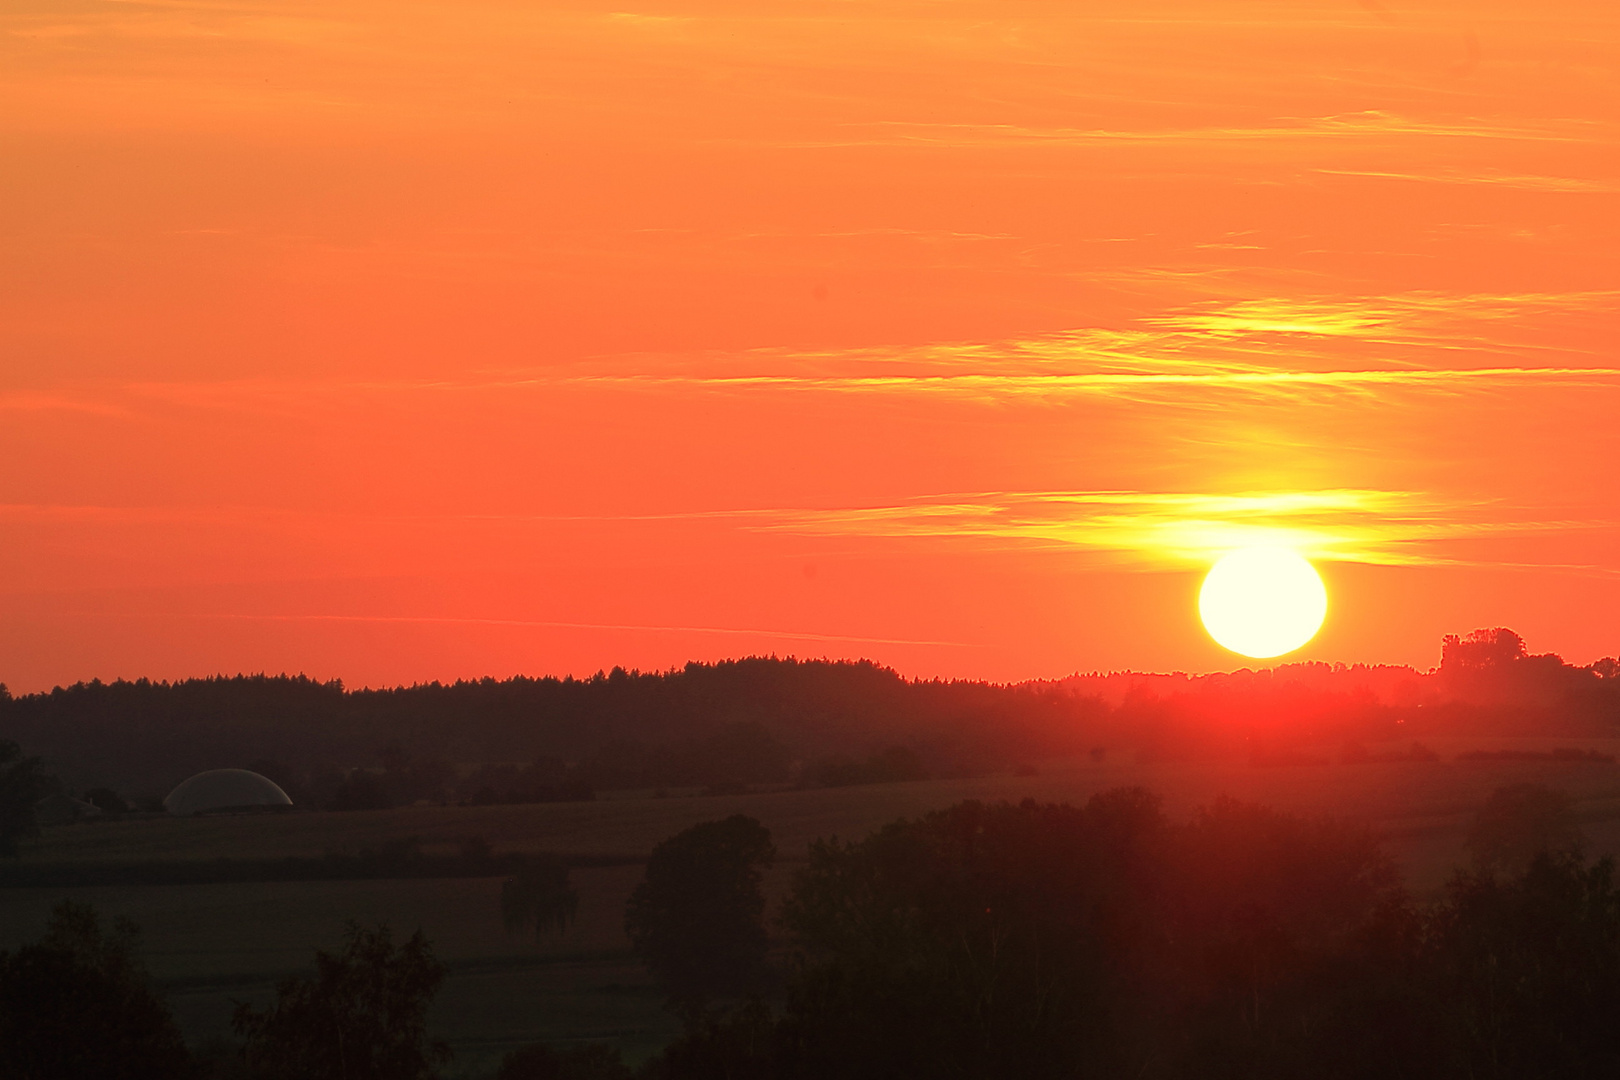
210 945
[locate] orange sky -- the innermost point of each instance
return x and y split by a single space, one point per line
398 341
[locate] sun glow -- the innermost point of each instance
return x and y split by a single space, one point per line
1262 601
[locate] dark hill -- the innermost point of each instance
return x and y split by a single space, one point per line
147 735
769 720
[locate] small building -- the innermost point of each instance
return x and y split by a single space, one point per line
64 810
225 790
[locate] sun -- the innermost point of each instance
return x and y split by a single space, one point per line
1262 601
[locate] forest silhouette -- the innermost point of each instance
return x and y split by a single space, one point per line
764 720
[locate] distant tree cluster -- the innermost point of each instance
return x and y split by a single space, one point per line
538 897
893 764
1052 941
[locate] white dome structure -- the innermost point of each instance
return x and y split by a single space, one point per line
225 789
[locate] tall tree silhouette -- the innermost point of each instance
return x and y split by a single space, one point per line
982 940
22 784
697 921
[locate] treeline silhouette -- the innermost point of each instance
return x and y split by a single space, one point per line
1486 684
764 720
992 941
737 721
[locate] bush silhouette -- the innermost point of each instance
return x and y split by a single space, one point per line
362 1017
538 898
78 1004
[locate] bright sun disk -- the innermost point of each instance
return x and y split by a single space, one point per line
1262 601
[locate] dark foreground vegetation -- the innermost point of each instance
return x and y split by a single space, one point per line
981 941
760 721
1055 941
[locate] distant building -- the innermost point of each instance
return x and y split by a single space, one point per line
63 810
221 790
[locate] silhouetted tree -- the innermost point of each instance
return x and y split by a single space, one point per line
1040 942
1481 650
78 1004
22 784
362 1017
976 941
594 1061
697 919
1519 822
1284 930
538 897
1054 941
1528 968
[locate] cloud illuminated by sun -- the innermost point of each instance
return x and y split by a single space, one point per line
1174 529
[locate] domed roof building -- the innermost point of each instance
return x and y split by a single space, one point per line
225 789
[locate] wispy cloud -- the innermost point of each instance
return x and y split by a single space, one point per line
1491 179
1137 528
1259 347
1363 125
1431 317
455 620
1392 528
1140 386
1191 383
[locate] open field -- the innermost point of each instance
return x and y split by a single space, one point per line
1404 799
212 944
